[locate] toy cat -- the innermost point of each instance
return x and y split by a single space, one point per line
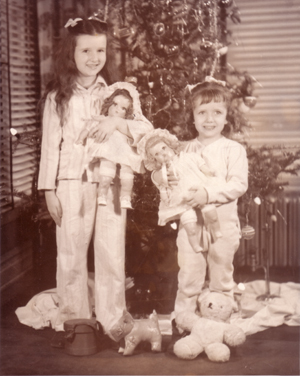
136 331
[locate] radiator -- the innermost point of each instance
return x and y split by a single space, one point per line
283 241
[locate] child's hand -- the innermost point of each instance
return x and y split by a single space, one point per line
197 197
103 130
172 178
79 142
54 206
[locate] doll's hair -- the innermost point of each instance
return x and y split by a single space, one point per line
65 70
207 92
173 144
109 101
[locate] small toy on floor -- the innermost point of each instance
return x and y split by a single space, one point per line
211 332
136 331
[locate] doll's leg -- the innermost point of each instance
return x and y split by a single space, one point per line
107 172
211 220
189 222
126 177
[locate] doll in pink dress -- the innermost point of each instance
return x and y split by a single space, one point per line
121 101
162 155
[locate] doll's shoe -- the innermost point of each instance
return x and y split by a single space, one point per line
102 200
126 203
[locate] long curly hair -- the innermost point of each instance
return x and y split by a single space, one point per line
109 101
208 92
65 70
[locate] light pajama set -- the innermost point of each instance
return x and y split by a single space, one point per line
227 159
77 192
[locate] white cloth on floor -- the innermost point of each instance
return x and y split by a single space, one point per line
42 309
254 316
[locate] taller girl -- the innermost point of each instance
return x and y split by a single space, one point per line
75 96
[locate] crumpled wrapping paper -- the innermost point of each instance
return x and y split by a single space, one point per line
254 316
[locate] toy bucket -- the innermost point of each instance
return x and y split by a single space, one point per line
81 337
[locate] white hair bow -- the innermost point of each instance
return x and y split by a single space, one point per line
207 79
72 22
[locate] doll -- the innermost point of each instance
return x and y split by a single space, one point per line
119 102
161 153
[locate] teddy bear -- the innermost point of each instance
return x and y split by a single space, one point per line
136 331
212 332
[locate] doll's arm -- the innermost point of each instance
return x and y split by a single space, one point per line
82 137
206 171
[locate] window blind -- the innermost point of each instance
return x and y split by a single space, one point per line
20 91
267 45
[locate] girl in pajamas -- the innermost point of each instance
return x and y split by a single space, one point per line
210 101
76 94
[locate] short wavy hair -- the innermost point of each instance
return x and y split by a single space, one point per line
208 92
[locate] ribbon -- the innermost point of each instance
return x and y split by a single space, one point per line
207 79
72 22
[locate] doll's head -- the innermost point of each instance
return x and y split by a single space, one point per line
119 103
158 147
209 104
158 150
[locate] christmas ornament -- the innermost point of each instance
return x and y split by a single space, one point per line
159 29
123 32
250 101
207 3
171 50
242 107
223 50
132 80
176 105
248 232
226 3
257 200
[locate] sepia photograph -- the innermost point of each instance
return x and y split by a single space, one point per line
115 259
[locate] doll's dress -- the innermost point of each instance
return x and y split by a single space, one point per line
187 166
116 149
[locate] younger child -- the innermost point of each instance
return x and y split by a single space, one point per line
161 152
210 101
122 100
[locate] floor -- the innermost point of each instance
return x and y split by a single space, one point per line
25 351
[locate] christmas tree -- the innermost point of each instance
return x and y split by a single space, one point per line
167 44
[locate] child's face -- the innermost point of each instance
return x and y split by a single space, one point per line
162 153
210 119
90 54
119 106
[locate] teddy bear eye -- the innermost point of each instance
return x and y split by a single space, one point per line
210 305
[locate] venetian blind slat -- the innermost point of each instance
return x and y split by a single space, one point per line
21 88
